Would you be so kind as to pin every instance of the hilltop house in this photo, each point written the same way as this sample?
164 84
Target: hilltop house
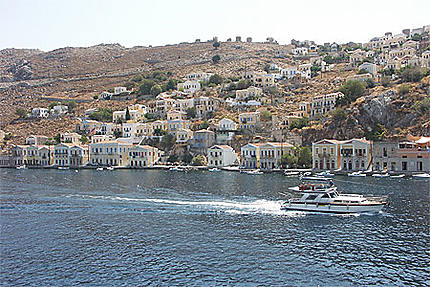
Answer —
189 86
40 113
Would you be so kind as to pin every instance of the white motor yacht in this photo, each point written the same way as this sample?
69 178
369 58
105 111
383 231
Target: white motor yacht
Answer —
328 200
214 169
21 167
99 169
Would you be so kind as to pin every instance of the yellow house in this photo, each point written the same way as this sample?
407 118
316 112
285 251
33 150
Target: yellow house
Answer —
249 120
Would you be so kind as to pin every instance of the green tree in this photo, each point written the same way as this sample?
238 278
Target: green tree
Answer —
423 107
159 132
155 90
216 59
170 85
362 71
21 113
289 160
137 78
305 157
339 115
352 90
191 113
414 74
404 89
71 105
204 125
299 123
216 45
187 157
216 79
102 115
199 160
370 83
95 97
243 84
385 81
145 87
376 133
127 115
84 139
57 138
167 142
266 116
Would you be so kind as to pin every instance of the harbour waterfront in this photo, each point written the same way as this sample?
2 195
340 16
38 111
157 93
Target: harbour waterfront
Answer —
155 227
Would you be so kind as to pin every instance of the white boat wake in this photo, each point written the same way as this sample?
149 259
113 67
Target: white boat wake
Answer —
233 207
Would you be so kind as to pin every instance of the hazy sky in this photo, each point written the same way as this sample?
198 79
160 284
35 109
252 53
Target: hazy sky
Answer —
51 24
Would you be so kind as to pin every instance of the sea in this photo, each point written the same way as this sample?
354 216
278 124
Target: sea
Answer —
201 228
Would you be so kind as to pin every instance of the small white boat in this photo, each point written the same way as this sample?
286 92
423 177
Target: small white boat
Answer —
21 167
110 168
357 174
381 175
177 168
397 176
63 167
214 169
325 174
317 178
76 170
421 175
328 200
291 173
99 169
254 172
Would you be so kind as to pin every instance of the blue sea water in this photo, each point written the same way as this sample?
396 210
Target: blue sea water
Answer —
165 228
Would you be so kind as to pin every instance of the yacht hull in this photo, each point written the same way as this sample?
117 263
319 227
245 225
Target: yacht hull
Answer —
333 208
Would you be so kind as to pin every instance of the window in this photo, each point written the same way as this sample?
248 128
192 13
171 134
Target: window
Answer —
404 165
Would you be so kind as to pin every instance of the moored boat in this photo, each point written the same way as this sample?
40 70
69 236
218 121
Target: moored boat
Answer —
214 169
397 176
291 173
254 172
421 175
381 175
99 168
357 174
21 167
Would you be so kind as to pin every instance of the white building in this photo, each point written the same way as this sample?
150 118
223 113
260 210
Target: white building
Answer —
40 113
221 155
141 156
59 110
189 86
300 51
289 72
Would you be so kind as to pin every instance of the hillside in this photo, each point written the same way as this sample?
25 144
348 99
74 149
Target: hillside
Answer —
32 78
